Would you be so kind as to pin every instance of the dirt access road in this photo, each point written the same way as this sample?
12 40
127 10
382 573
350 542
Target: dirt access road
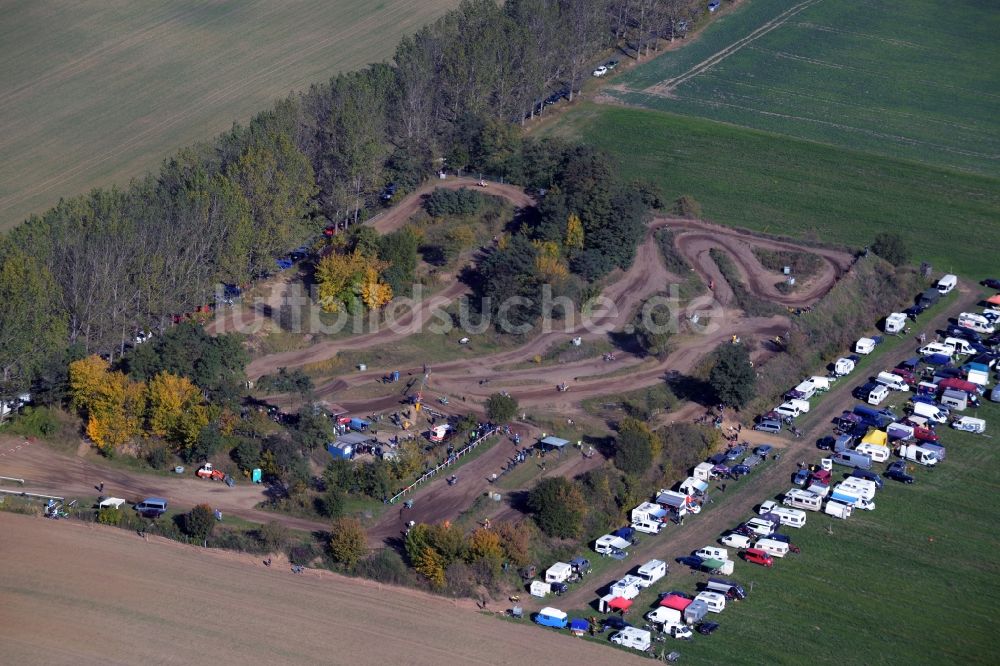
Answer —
85 594
49 472
740 498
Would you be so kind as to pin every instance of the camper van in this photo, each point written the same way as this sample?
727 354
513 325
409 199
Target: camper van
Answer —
790 517
772 547
946 284
852 459
633 637
650 572
877 452
803 499
715 601
961 346
976 322
838 510
552 617
893 381
864 346
895 322
932 348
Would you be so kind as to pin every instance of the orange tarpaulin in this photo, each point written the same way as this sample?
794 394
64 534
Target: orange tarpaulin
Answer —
994 300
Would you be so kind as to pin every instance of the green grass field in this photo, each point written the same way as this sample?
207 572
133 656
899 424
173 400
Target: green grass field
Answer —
779 185
95 93
914 581
902 78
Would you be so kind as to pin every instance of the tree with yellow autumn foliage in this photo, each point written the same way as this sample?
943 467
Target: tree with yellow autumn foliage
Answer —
350 281
430 565
113 405
549 262
176 409
574 232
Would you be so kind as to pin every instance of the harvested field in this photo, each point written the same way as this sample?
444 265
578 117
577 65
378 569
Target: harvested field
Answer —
83 594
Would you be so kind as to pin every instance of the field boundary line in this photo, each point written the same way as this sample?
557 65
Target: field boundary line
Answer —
664 88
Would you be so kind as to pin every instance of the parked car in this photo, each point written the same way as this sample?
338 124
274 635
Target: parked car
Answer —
611 64
739 470
601 71
707 628
992 283
825 443
736 452
758 556
614 622
897 471
763 450
868 475
714 5
801 477
692 561
389 192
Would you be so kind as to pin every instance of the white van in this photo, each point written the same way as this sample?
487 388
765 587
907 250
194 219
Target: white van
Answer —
838 510
961 346
772 547
969 424
936 348
947 283
712 553
715 602
737 541
864 346
878 394
930 412
788 409
790 517
976 322
895 382
877 452
820 383
803 499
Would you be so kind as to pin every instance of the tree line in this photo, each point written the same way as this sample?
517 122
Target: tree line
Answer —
97 268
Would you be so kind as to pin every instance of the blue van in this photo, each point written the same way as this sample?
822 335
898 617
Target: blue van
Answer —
151 507
552 617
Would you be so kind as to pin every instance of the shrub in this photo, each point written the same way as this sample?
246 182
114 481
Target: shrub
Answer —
733 377
558 507
199 522
109 516
803 264
347 541
892 248
501 408
385 566
687 206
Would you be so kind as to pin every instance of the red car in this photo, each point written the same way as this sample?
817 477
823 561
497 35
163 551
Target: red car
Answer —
758 556
924 434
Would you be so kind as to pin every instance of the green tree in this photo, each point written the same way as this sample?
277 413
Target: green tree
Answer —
501 408
635 447
733 377
313 429
273 536
399 251
199 522
558 507
891 247
347 541
31 326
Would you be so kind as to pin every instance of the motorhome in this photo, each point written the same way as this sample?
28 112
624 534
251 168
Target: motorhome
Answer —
650 572
802 499
892 381
633 637
976 322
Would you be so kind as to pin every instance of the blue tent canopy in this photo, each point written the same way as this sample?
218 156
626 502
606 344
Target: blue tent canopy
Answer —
554 442
576 624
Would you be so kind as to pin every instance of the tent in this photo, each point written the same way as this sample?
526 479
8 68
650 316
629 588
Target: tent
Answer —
579 626
554 443
115 502
675 601
620 604
879 437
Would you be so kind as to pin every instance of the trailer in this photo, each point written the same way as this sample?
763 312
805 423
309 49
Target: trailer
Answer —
558 573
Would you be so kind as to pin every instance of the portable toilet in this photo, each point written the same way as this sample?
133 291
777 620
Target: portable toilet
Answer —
256 475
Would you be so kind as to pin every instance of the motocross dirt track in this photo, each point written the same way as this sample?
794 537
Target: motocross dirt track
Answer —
83 594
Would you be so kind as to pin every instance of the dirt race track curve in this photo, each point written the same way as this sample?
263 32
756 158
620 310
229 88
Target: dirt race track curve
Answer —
82 594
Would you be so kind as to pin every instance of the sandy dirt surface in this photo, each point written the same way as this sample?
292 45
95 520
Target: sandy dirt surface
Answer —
83 594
